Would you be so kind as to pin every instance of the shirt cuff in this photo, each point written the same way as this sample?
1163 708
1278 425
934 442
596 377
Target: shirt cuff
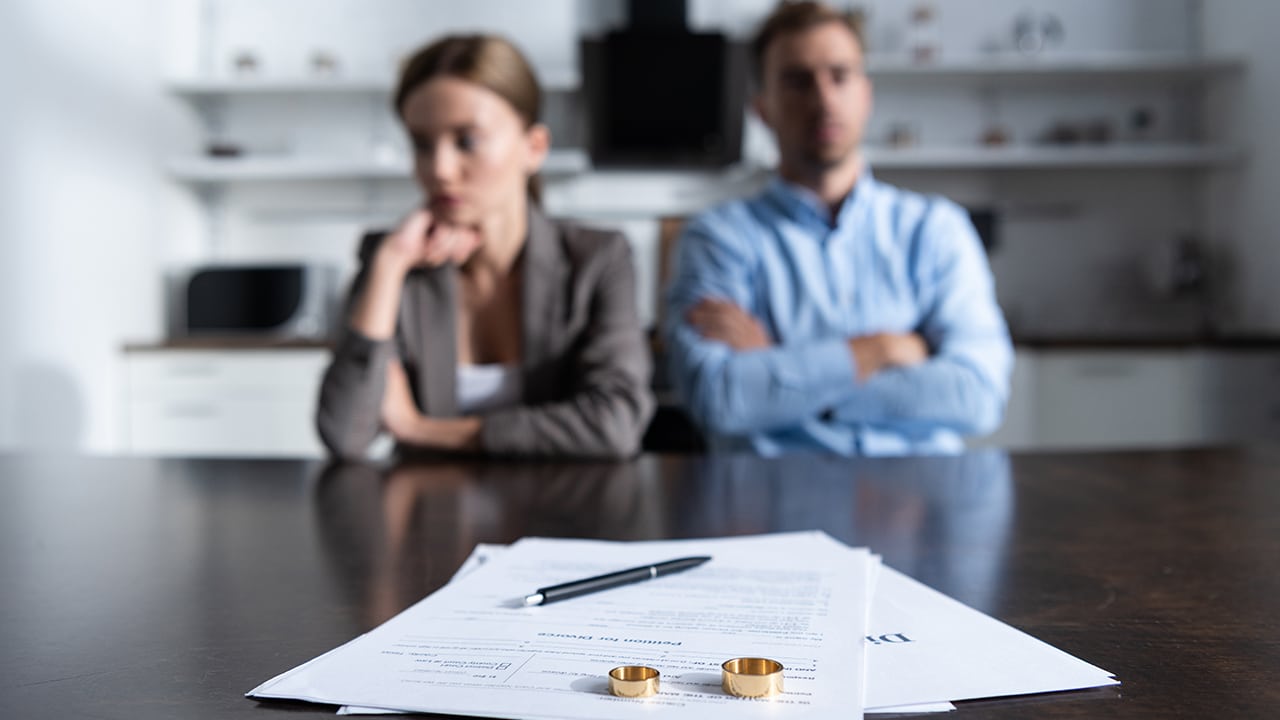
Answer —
363 351
833 366
830 363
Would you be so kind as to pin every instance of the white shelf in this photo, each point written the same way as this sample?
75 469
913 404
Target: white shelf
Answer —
1036 157
282 168
1088 67
882 68
265 86
292 168
569 162
194 88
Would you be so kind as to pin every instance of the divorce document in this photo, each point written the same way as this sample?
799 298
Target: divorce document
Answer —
472 648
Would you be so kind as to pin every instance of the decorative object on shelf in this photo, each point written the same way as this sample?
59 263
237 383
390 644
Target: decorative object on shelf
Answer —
246 63
902 135
1142 123
1190 267
222 149
324 64
1098 131
996 132
996 136
1062 133
1034 33
1178 269
924 33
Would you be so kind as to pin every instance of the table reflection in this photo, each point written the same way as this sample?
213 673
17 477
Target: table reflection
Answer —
393 535
943 520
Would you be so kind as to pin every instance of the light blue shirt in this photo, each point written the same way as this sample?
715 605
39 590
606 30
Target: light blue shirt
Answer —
890 261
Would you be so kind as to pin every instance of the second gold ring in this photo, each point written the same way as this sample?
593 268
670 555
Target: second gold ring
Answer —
752 677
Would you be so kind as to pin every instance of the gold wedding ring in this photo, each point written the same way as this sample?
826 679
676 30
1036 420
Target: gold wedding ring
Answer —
633 681
752 677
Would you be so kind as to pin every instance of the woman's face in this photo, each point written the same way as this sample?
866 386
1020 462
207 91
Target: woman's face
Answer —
472 152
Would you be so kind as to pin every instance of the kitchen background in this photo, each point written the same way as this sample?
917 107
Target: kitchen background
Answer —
1121 152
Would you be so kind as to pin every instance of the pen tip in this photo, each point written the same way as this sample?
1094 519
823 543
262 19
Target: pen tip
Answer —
534 599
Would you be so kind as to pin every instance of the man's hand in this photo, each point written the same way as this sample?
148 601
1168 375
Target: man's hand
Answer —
725 322
873 353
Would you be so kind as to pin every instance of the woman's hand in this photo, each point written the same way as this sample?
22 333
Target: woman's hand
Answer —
419 241
407 424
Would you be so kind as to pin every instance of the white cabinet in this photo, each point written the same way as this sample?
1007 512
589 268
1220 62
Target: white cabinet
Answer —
1121 398
1130 398
244 403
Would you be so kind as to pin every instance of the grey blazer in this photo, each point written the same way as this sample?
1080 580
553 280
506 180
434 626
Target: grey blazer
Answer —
585 363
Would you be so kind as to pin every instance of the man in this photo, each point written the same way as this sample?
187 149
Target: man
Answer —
832 312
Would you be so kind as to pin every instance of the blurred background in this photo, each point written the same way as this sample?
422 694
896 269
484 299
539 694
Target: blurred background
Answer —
184 183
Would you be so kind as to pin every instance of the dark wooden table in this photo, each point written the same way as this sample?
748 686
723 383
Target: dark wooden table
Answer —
134 588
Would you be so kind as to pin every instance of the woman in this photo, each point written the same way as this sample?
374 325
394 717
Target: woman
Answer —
479 324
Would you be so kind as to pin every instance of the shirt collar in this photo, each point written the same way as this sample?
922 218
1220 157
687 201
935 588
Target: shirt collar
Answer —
802 204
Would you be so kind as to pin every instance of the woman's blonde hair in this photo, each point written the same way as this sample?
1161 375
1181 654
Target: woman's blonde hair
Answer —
489 61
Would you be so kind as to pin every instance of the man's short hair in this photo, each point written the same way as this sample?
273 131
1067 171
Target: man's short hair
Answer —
793 17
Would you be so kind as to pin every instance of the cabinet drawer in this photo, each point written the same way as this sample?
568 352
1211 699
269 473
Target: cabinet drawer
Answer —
223 427
249 374
1120 399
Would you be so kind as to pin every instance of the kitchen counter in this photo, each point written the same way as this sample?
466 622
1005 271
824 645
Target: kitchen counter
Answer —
1171 342
237 342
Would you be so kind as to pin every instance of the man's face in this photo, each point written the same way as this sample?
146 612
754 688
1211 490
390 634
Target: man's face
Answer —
815 96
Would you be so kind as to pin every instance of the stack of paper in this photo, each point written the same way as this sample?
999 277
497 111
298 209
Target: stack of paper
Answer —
851 634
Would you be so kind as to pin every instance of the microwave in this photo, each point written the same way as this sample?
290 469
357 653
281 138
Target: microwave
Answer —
296 301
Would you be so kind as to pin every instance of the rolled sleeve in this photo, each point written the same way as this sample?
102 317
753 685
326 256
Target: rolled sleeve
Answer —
964 386
735 393
348 413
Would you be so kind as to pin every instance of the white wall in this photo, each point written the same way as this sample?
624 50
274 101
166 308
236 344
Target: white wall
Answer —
81 232
9 51
1243 208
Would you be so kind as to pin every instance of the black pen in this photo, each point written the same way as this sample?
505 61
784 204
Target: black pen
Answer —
567 590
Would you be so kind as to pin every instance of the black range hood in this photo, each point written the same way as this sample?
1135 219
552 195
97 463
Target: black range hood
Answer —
661 96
